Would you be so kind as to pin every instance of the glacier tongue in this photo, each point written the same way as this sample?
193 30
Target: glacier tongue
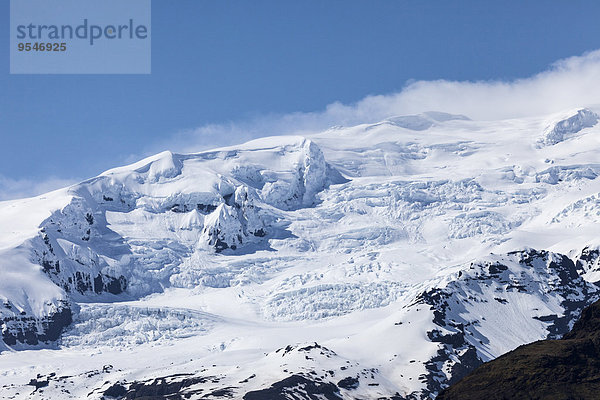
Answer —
127 232
404 249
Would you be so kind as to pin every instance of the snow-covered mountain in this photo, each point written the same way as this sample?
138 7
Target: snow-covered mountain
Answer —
545 369
376 261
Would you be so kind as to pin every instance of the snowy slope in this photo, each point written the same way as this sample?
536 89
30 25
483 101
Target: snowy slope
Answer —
376 261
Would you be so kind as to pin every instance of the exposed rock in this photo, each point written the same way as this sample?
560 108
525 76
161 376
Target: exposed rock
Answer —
349 383
550 369
296 387
180 386
29 330
525 272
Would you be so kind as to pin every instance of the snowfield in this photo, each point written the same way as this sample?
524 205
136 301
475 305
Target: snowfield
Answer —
375 261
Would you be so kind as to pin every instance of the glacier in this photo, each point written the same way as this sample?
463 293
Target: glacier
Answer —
381 260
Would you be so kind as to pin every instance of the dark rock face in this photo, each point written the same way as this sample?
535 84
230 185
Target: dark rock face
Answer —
296 387
349 383
162 388
588 325
302 387
26 329
491 281
588 260
38 383
76 275
180 386
115 391
549 369
106 283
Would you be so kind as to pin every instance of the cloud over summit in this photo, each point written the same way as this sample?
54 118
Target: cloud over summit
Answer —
568 83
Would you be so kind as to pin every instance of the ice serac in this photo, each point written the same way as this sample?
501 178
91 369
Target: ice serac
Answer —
127 232
568 126
310 175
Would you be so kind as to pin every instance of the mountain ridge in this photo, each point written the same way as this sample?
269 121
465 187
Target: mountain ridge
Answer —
413 250
553 369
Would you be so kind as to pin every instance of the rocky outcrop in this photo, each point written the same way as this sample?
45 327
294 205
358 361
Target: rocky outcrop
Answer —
520 277
296 386
549 369
26 329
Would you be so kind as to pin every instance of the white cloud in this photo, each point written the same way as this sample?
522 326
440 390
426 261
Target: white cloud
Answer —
569 83
21 188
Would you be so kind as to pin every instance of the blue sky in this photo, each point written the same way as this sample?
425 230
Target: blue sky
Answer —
218 63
